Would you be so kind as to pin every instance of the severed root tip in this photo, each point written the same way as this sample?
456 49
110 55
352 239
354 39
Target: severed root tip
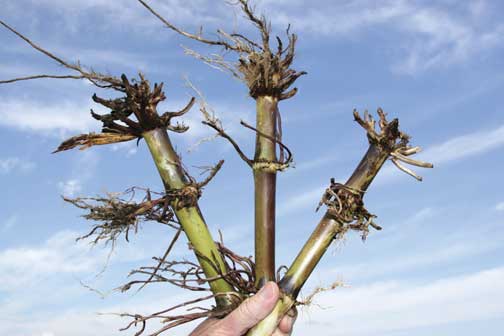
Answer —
85 141
390 139
402 155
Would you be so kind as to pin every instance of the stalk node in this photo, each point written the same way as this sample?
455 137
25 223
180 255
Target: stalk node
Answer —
345 204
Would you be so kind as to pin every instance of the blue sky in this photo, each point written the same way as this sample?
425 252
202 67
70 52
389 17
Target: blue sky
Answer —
436 268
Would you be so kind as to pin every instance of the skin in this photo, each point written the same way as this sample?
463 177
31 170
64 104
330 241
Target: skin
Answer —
247 315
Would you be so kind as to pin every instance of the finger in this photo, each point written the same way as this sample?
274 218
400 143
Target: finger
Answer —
204 327
287 322
279 333
252 310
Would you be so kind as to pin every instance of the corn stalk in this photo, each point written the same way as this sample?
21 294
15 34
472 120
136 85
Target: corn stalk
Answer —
266 72
345 211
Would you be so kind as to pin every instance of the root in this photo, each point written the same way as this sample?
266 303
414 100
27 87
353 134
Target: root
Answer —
119 216
264 68
392 140
307 301
189 275
347 206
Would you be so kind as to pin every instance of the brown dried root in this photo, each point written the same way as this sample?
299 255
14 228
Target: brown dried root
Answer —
85 141
391 140
189 275
347 206
171 321
97 79
139 100
189 195
344 201
119 216
308 300
264 69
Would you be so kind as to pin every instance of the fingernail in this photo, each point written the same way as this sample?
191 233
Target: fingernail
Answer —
267 291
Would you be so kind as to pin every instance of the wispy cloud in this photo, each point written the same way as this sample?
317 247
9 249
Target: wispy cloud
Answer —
70 187
429 36
120 15
56 119
312 164
46 275
500 206
396 305
444 39
98 320
11 164
456 148
84 170
401 265
465 146
300 201
22 266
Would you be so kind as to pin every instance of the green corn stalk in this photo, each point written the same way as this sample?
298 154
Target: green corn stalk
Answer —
190 218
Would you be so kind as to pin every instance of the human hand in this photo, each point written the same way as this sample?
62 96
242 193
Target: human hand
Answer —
247 315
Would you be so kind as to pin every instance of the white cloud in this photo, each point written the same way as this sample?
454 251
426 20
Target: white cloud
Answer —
444 255
84 169
98 320
383 307
55 119
457 148
130 148
430 35
312 164
40 283
23 266
121 14
16 164
462 147
342 18
70 187
301 201
500 206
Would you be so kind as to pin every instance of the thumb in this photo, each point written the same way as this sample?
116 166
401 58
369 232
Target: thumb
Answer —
252 310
